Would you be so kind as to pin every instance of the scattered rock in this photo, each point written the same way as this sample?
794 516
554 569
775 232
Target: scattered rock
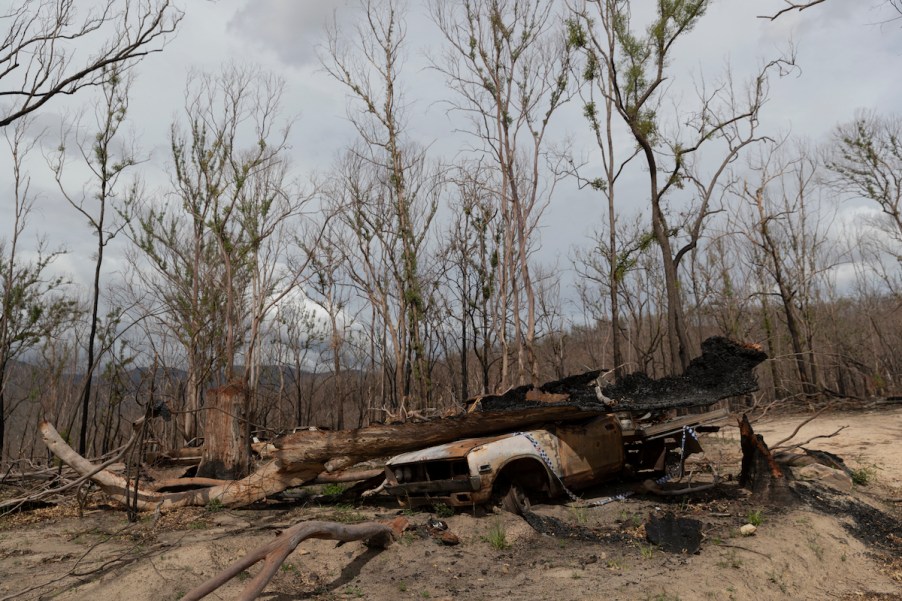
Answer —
449 538
835 479
748 530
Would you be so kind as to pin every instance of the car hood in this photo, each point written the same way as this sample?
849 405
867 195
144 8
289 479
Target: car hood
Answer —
451 450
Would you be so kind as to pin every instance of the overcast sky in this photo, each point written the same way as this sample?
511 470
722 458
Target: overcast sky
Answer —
848 60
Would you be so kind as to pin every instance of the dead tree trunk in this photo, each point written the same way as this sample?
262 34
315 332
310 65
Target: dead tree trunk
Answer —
339 449
226 449
760 472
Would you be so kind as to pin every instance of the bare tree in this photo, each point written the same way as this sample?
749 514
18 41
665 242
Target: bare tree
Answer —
32 304
208 247
866 159
597 96
107 158
787 222
389 192
638 68
471 251
42 53
508 60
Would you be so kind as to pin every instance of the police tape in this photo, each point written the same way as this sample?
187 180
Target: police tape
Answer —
687 430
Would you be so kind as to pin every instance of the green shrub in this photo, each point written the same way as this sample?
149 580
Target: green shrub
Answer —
497 537
333 490
755 518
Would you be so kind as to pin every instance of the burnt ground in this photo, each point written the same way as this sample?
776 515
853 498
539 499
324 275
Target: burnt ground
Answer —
824 545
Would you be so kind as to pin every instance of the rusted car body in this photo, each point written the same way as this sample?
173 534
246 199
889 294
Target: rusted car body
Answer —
543 461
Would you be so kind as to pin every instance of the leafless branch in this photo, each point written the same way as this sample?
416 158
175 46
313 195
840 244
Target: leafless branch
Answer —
799 6
777 444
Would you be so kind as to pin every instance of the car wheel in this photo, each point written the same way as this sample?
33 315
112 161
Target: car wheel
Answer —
515 500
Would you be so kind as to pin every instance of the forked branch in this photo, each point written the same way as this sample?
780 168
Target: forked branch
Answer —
379 534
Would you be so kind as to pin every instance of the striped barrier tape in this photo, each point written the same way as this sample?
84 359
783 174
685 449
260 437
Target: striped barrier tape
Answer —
687 430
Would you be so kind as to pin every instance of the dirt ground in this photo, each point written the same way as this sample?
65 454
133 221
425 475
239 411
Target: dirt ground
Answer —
827 545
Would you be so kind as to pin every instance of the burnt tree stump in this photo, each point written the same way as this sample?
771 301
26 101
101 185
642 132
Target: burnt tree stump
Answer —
760 472
226 449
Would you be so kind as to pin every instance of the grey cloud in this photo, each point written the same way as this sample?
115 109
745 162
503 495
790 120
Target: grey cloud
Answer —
290 28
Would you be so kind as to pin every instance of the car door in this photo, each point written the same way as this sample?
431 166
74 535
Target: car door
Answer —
589 452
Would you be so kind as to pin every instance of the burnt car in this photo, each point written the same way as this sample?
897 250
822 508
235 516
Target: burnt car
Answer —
515 468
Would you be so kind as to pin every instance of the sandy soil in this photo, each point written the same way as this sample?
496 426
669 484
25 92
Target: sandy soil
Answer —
808 551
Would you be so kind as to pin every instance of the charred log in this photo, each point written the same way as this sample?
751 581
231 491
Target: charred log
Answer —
724 369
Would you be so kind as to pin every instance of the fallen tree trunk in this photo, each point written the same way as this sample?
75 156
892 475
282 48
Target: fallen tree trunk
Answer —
267 480
724 369
341 448
273 554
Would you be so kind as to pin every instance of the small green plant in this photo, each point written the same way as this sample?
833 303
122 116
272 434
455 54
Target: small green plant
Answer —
755 518
497 537
287 567
214 505
637 520
425 594
347 515
862 476
243 576
647 551
402 586
580 514
333 490
353 591
442 510
614 564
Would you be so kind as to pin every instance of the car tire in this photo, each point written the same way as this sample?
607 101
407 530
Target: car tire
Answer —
515 499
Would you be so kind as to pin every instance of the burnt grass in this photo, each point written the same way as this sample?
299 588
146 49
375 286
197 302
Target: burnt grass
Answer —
871 526
877 529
